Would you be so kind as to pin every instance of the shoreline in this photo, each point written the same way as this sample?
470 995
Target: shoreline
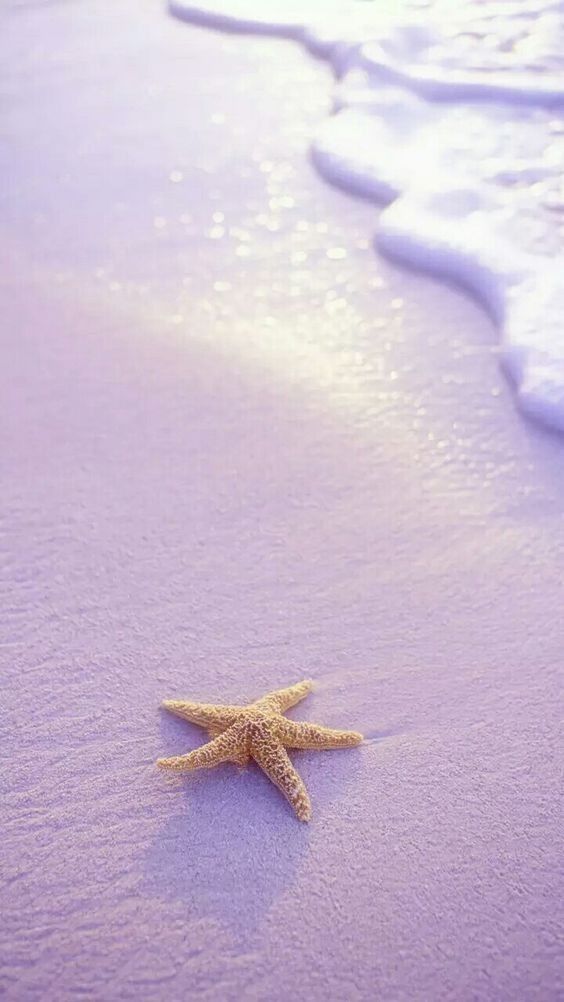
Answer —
228 469
398 136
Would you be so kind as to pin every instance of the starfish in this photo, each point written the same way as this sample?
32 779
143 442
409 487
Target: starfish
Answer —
261 732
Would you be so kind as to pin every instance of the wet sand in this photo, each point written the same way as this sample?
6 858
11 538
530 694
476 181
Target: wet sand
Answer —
231 460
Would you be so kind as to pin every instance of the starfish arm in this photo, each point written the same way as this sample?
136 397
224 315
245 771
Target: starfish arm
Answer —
283 699
225 748
273 760
205 714
241 757
295 734
214 732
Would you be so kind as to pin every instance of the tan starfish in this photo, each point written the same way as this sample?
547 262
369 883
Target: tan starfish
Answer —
258 731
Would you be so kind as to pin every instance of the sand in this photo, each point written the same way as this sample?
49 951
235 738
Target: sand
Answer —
224 470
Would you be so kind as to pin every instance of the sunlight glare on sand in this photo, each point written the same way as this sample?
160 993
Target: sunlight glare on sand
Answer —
447 113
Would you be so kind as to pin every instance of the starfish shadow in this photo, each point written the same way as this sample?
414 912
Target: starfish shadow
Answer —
235 846
232 850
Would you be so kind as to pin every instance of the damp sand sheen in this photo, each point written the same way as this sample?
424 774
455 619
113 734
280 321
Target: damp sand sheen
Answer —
451 116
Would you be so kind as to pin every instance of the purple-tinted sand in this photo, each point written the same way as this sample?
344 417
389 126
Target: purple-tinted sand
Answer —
238 449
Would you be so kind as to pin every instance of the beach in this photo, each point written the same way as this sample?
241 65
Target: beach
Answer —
240 449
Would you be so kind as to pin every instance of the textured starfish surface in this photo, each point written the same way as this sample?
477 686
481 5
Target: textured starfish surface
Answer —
261 732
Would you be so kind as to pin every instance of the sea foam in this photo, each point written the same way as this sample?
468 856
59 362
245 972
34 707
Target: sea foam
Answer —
451 115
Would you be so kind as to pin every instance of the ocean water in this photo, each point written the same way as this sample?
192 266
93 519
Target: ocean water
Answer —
450 114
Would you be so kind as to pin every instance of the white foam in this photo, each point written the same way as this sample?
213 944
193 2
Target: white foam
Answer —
454 118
